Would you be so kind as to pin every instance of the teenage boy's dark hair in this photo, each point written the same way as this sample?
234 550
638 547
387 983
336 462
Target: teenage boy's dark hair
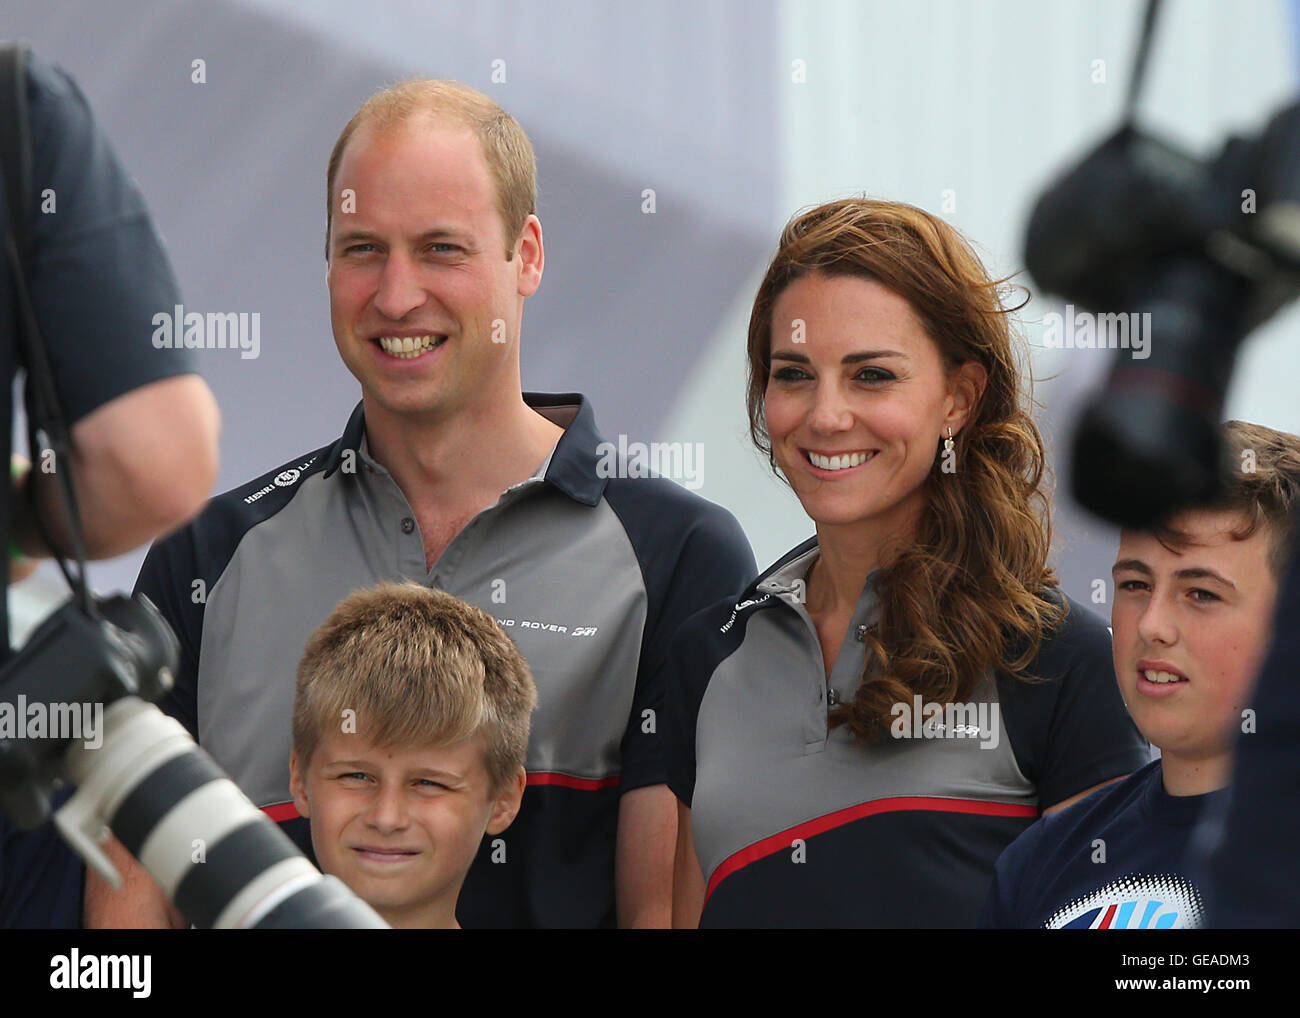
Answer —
1264 487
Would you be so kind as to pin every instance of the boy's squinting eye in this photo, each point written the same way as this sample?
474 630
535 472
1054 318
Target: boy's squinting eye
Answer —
1209 597
1132 585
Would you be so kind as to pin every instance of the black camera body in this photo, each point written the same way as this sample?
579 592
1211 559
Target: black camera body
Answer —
1209 250
72 664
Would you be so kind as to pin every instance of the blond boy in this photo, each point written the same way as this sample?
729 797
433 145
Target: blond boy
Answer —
410 725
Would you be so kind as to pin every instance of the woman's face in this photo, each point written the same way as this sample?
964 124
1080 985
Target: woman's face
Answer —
857 402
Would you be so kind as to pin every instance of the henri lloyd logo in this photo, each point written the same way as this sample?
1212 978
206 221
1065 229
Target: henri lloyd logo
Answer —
40 720
947 721
220 330
284 479
740 608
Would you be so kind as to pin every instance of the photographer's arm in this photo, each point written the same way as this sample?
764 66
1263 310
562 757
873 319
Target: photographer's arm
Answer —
143 464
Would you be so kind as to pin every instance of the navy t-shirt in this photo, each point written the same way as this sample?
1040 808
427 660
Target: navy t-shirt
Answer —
1116 860
97 274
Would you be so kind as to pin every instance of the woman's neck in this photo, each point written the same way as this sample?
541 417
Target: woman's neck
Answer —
847 557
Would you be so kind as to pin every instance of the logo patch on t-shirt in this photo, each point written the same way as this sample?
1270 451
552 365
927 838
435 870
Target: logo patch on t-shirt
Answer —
1164 901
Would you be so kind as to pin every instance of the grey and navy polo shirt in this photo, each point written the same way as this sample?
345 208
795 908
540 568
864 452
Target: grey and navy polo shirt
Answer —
590 575
797 824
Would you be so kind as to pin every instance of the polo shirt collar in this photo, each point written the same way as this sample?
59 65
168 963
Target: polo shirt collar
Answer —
350 440
570 469
787 581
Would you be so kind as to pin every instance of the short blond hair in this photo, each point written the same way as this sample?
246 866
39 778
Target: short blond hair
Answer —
506 147
419 668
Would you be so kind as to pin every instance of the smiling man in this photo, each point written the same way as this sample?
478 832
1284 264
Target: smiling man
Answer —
449 475
1192 616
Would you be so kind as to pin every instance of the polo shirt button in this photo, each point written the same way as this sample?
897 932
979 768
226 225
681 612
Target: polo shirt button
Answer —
408 525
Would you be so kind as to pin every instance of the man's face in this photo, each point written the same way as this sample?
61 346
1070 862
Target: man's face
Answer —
1201 616
424 305
400 827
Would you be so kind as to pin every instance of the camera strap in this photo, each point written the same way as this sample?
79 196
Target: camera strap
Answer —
44 414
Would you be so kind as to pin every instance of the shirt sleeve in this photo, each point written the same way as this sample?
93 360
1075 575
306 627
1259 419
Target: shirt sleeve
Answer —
1071 730
170 579
712 561
688 667
98 273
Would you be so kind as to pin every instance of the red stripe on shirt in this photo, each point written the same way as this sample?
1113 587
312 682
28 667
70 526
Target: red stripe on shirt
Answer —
281 811
1110 914
585 784
822 824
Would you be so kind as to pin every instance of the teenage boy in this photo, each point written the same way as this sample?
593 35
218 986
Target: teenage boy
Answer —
1192 618
410 729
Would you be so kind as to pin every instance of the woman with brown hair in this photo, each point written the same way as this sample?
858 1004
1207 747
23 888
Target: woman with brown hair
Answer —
856 738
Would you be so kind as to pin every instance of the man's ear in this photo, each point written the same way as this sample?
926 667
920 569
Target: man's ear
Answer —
531 255
968 384
506 805
297 786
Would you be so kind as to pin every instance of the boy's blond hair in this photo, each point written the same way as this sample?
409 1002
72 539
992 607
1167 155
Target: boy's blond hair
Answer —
417 667
1263 486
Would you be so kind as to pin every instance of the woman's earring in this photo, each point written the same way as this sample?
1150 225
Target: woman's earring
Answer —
947 442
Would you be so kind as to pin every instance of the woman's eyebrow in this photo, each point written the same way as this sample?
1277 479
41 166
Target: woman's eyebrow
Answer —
848 358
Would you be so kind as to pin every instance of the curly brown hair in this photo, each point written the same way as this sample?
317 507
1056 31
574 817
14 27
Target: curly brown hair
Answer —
974 592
